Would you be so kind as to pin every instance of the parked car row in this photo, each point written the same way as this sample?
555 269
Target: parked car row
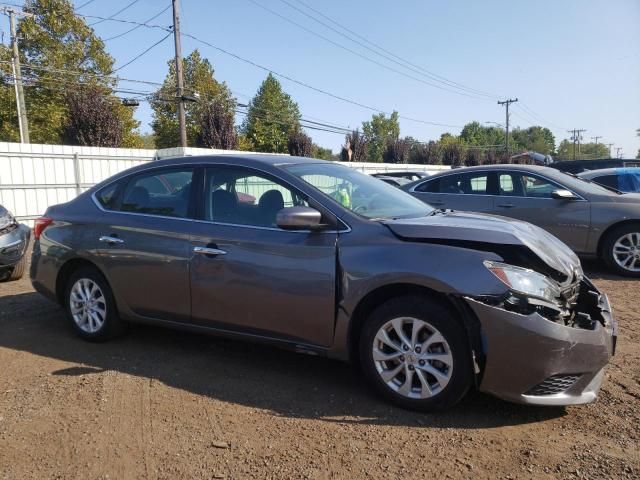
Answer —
594 220
328 261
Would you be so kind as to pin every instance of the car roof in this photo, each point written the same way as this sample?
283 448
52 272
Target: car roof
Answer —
263 158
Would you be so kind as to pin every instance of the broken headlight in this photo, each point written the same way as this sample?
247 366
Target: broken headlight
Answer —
525 281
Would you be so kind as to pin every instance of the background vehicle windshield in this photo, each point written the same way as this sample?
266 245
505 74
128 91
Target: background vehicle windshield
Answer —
360 193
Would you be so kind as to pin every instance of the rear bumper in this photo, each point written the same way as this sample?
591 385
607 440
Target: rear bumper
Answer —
532 360
13 245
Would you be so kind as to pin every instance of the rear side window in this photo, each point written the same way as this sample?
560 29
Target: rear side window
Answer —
161 192
607 180
432 186
108 195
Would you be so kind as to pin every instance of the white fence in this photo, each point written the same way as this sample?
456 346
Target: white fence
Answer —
34 176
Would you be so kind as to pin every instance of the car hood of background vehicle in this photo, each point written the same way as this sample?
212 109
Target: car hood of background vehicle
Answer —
489 229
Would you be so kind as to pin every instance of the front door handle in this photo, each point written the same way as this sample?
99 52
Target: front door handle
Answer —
436 202
506 205
208 251
110 240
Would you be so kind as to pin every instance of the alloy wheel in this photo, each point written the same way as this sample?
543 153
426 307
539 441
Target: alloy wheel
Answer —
412 357
626 251
88 305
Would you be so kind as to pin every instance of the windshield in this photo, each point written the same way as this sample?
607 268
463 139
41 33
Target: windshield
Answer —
585 185
360 193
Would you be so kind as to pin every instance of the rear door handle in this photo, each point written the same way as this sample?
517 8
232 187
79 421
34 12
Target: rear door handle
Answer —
506 205
208 251
110 240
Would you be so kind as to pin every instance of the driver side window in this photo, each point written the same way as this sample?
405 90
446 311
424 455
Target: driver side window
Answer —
239 196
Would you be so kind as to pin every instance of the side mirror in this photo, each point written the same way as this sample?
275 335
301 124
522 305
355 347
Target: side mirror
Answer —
562 194
298 218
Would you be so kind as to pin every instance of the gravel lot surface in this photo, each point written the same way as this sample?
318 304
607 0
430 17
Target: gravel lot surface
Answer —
162 404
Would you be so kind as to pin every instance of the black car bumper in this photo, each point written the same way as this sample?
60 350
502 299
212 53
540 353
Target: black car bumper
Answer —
13 245
533 360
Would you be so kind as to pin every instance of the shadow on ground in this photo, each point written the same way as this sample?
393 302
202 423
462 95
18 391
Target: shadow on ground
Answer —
288 384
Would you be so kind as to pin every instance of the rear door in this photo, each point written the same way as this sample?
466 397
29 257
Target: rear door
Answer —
527 197
143 242
250 276
471 191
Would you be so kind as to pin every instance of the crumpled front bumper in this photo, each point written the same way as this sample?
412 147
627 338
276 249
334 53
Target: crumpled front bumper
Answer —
532 360
13 245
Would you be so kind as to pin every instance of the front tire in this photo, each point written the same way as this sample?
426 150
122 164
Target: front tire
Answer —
414 353
90 306
18 269
621 250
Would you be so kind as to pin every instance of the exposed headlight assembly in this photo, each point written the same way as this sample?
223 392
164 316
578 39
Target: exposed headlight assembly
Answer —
524 281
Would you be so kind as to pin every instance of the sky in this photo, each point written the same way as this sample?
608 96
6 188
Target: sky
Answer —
571 63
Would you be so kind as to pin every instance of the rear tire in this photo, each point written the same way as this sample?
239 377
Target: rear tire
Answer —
414 353
90 306
621 250
18 269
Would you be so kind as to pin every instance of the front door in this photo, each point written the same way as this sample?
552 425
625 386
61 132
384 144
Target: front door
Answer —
527 197
250 276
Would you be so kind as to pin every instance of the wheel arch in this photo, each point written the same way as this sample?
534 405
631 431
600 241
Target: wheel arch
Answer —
376 297
67 270
610 229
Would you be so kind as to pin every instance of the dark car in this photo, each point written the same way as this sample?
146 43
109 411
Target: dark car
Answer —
407 175
14 240
329 261
593 220
626 180
395 181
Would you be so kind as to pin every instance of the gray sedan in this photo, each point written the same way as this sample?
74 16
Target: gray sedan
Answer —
319 258
589 218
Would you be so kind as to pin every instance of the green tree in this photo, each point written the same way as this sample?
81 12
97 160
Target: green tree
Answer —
588 151
322 153
59 53
201 85
379 131
272 117
475 134
535 138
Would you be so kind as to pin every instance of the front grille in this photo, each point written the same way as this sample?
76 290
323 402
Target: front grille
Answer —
553 385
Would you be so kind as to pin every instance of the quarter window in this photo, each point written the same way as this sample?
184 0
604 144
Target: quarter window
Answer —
108 195
164 192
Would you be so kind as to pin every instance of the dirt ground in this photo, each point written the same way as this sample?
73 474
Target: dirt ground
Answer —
161 404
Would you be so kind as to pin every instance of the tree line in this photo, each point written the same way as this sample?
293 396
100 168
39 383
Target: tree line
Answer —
72 98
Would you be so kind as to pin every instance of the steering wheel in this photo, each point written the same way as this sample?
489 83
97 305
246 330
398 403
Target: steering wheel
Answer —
360 208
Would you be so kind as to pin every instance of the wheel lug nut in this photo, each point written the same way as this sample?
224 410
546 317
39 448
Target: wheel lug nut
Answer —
405 348
402 358
411 367
421 362
418 349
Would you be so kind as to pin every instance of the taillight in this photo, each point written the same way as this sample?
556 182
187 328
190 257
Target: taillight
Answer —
40 225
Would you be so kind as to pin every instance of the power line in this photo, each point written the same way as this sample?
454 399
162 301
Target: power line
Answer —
137 26
386 53
430 74
130 4
311 87
144 52
358 54
84 4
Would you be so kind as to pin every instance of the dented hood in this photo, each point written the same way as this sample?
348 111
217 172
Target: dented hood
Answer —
489 229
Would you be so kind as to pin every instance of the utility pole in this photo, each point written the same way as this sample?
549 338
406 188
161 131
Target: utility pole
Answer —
618 152
575 136
506 103
179 74
23 124
595 139
610 145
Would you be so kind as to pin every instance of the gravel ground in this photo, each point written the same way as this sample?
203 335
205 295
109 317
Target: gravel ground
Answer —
162 404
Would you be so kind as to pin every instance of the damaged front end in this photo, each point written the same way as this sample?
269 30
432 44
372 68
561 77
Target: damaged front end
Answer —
546 352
